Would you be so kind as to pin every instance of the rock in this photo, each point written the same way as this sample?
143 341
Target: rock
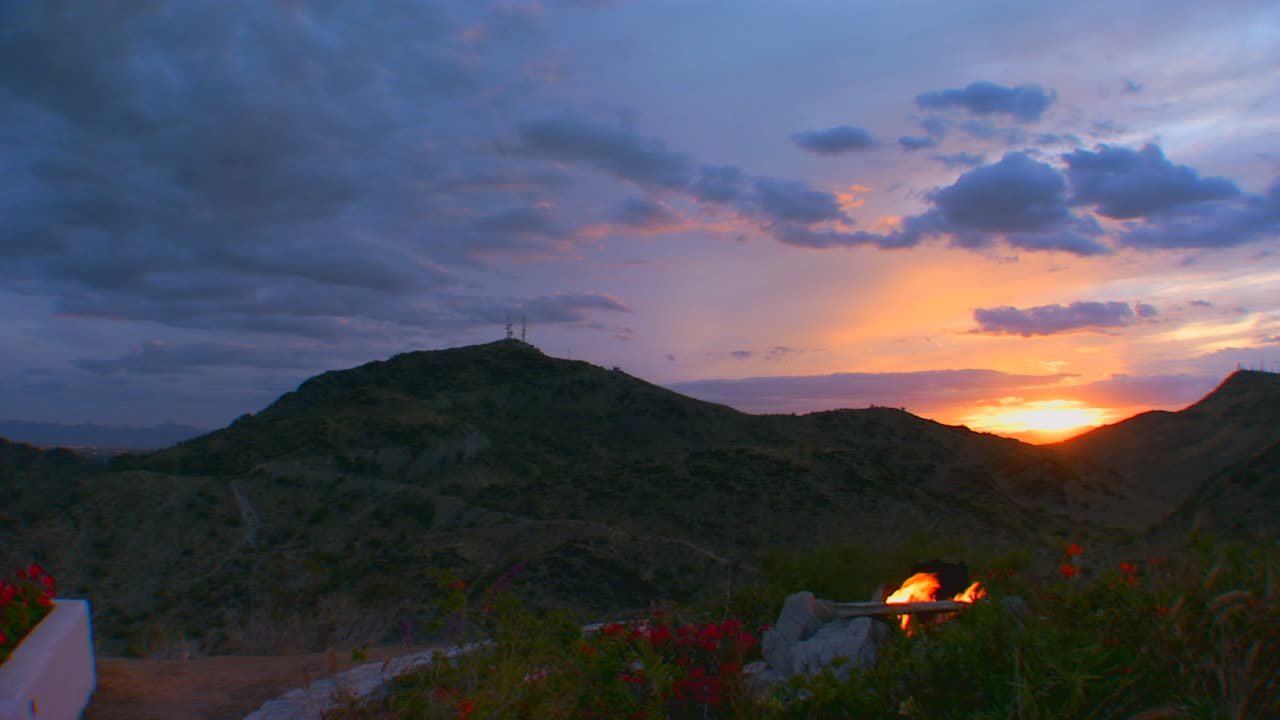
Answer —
1016 606
800 618
857 640
759 678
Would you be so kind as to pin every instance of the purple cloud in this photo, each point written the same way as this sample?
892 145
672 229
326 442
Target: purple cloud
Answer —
961 159
1016 194
1058 319
1024 103
792 201
1126 184
1223 223
911 143
617 150
645 214
835 141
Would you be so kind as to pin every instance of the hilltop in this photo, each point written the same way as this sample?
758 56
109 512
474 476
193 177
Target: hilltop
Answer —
326 517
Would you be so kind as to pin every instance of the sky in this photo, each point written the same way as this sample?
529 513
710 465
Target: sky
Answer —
1021 217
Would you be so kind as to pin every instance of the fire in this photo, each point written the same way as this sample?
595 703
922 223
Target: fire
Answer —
923 587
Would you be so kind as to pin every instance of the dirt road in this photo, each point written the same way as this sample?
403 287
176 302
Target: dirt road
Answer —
209 688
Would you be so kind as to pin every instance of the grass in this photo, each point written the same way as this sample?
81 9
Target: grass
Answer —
1150 638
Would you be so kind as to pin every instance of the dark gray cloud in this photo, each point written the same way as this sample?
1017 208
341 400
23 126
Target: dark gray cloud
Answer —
719 183
1024 103
1214 224
835 141
780 352
158 358
562 308
915 142
614 149
935 126
521 220
1124 183
791 201
1078 241
1016 194
1018 199
961 159
1057 319
740 354
1057 139
920 392
645 214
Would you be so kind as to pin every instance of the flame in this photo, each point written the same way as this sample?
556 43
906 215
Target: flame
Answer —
923 587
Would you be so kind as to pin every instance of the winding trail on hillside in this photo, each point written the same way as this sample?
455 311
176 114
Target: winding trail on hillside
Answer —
249 517
247 514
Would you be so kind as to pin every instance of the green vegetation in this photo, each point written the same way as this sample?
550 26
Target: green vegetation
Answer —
1149 638
314 523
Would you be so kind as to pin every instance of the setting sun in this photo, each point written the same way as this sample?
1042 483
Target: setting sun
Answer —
1038 421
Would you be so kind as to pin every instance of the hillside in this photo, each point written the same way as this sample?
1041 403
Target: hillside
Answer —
326 517
1161 457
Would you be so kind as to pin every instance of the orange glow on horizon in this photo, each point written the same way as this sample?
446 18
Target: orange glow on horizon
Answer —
1039 420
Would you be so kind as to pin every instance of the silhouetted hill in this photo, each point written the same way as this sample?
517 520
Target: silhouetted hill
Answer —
88 435
1239 502
1162 457
328 516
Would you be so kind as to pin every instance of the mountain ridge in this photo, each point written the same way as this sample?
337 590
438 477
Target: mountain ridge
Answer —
81 435
336 506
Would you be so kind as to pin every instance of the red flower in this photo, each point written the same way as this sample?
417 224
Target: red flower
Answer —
44 601
612 629
34 571
1130 580
1069 570
458 585
1073 550
746 640
1162 610
632 678
465 708
588 650
659 634
3 639
1128 568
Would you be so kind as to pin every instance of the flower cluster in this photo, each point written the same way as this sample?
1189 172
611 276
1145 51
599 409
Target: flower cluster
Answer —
705 661
24 601
1069 570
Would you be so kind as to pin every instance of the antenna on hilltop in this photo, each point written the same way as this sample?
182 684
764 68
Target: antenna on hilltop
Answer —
523 327
510 334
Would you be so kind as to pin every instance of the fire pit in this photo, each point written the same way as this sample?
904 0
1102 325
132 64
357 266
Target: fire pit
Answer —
811 632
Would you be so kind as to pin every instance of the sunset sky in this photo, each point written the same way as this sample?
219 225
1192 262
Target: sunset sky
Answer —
1012 215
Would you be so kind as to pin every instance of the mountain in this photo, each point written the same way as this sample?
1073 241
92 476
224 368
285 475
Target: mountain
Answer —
330 516
1161 458
87 435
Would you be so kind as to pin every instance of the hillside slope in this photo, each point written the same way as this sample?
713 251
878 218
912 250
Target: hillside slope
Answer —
1161 458
329 517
